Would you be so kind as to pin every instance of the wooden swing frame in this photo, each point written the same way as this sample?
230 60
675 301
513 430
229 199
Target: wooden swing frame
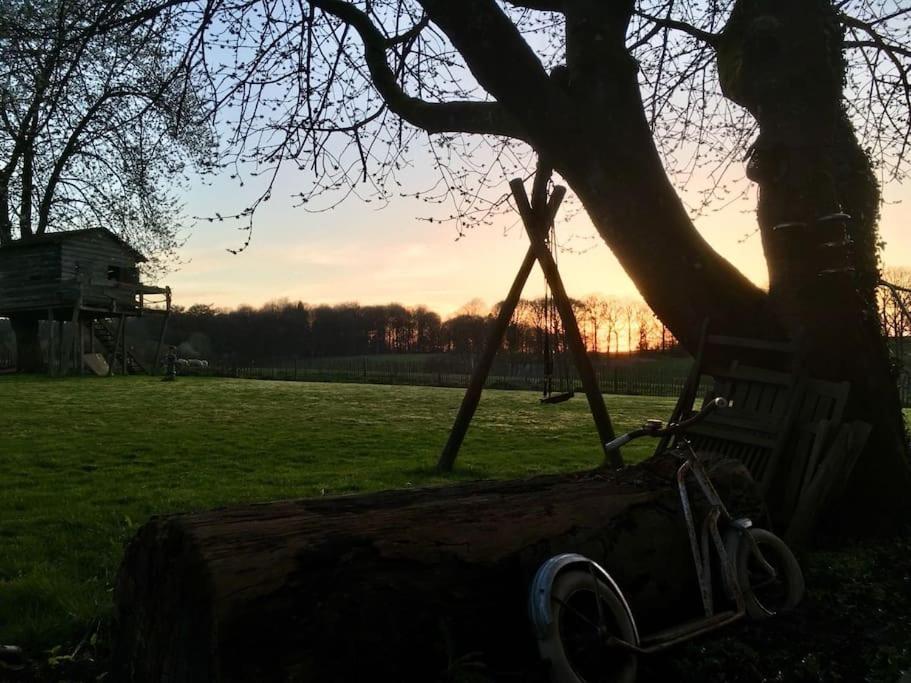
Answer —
537 216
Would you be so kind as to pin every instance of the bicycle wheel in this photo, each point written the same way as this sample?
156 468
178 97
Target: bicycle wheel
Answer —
576 645
765 595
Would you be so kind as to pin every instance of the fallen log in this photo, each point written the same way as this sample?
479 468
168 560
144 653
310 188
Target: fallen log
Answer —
399 585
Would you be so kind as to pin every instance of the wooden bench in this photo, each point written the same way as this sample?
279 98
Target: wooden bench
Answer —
755 429
764 402
776 417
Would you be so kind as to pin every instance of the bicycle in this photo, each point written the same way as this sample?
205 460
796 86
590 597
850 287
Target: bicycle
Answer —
584 624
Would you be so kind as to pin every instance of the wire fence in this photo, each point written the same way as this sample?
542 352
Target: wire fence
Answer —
637 379
615 380
656 378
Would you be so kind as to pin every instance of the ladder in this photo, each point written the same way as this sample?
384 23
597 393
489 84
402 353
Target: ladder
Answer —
108 339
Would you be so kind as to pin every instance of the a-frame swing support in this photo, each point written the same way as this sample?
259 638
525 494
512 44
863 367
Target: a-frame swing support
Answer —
537 217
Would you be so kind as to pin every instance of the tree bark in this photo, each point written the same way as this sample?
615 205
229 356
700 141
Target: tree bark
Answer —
610 160
400 585
809 164
29 357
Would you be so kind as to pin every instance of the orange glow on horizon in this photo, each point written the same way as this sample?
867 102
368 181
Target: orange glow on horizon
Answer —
356 253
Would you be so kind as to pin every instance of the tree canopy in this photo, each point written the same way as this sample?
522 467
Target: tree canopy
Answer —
99 122
348 90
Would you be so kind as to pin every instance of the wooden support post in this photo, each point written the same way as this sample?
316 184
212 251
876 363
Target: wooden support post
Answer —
61 349
113 357
164 329
690 387
573 336
123 344
50 342
492 344
81 348
76 346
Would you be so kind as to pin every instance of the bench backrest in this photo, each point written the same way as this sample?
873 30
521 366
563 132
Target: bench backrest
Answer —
753 430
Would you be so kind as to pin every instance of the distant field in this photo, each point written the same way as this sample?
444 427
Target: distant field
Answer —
635 375
86 461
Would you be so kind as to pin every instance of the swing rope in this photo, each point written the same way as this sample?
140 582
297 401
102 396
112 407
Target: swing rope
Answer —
554 338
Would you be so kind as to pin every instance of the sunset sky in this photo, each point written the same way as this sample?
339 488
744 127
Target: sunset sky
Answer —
359 253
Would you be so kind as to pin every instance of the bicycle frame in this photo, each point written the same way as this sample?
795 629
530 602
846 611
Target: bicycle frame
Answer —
701 546
700 550
701 543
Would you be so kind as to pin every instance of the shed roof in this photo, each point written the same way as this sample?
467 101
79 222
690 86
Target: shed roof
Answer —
69 235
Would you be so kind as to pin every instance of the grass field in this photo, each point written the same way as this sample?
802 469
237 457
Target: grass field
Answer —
85 461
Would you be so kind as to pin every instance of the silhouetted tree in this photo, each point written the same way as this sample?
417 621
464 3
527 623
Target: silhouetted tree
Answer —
613 96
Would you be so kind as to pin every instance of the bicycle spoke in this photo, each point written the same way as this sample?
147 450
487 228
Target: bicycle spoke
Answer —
762 584
591 571
577 613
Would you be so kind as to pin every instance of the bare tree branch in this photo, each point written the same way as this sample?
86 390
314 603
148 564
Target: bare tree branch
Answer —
434 117
501 60
705 36
879 45
540 5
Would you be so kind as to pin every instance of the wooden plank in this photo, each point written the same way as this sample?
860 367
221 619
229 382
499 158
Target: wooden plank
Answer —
765 440
807 437
752 373
755 344
81 349
825 427
61 349
123 345
792 401
50 342
751 422
819 490
831 400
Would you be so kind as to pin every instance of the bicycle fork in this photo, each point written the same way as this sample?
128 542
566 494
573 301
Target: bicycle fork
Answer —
709 534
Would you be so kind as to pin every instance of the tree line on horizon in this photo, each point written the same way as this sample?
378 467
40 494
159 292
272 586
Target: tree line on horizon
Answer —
285 329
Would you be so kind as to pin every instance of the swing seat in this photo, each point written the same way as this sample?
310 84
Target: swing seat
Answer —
558 398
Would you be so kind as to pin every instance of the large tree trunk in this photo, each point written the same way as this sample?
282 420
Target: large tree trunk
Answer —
29 357
782 61
779 58
401 585
789 73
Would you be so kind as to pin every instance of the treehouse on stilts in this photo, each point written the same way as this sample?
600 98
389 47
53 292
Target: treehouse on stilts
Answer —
86 285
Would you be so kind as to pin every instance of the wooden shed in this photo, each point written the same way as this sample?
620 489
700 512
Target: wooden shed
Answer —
88 283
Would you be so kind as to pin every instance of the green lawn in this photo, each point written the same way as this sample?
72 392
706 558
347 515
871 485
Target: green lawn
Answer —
85 461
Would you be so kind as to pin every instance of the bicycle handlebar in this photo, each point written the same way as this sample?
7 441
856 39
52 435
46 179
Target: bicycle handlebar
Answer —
672 428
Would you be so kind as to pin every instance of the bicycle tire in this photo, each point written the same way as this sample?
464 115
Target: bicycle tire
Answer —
573 594
788 588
